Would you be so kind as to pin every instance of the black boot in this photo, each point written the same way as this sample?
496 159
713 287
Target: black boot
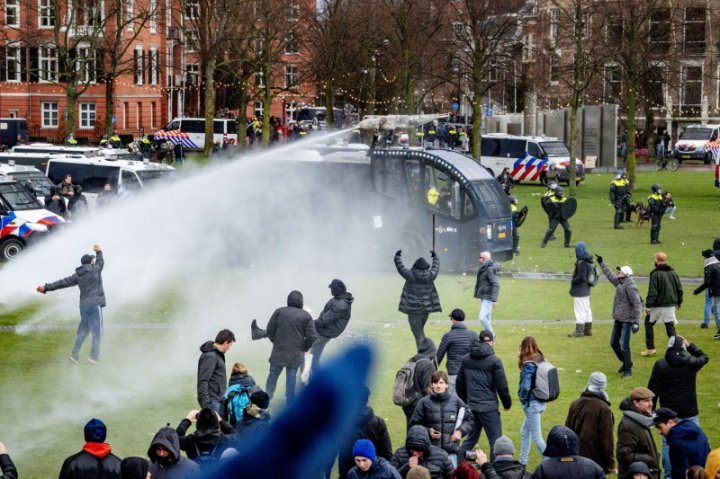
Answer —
618 219
587 330
256 332
579 331
568 235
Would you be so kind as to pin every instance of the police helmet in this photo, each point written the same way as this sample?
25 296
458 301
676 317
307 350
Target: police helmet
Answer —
618 175
656 188
559 191
513 199
552 185
624 174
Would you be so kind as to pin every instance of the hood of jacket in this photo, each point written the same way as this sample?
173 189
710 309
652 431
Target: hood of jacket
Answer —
628 409
418 438
365 414
347 297
581 251
84 269
480 349
676 356
207 346
684 430
716 243
636 467
709 261
295 299
597 395
562 441
168 438
426 349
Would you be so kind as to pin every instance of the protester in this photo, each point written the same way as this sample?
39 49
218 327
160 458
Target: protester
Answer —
333 319
167 462
134 468
711 270
564 460
368 465
665 295
531 429
419 452
487 288
635 442
255 417
6 465
687 443
425 366
456 343
88 278
210 439
503 466
637 470
106 196
581 283
419 297
211 375
96 458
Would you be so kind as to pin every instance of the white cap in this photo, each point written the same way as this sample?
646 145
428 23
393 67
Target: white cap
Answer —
627 270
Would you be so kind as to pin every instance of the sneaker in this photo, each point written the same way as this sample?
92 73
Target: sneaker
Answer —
648 352
671 217
704 325
626 374
93 361
73 359
717 337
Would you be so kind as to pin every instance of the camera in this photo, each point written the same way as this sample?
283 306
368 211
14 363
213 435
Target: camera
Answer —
470 455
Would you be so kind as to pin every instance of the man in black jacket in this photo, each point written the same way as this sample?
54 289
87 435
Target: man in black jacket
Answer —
291 329
96 458
6 465
419 452
504 466
673 380
456 343
711 268
211 376
481 379
564 461
635 441
424 369
211 438
87 277
581 284
166 459
487 288
665 295
333 320
419 297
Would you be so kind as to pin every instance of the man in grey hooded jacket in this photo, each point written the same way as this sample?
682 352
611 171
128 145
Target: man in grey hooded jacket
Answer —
87 277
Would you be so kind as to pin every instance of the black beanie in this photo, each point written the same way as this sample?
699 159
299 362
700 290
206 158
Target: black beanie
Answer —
95 431
420 263
337 287
86 259
134 468
207 420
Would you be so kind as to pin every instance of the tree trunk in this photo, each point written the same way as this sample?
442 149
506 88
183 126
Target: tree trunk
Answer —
329 105
476 102
209 106
72 101
109 104
631 105
242 115
572 146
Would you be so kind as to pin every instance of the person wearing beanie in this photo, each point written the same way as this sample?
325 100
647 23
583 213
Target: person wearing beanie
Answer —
664 297
419 297
425 366
564 460
211 438
134 468
95 459
503 466
166 459
635 441
687 444
418 451
592 420
88 278
333 319
626 312
711 269
583 279
487 288
674 381
456 344
637 470
255 417
7 468
368 465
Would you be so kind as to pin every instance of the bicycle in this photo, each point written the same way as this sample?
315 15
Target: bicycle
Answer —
667 162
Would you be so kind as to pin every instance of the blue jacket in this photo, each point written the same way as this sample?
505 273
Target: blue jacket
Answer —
380 469
563 460
688 447
456 343
527 375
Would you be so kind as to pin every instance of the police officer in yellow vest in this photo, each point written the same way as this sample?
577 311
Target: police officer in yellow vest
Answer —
553 205
71 141
628 197
515 215
618 192
657 207
115 141
430 135
145 147
452 137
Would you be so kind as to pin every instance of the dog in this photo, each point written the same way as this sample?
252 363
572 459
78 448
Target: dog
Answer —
642 214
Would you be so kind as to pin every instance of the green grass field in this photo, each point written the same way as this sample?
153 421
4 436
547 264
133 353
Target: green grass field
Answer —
147 378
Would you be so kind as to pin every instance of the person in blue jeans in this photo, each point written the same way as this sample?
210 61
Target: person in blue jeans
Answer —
531 428
88 278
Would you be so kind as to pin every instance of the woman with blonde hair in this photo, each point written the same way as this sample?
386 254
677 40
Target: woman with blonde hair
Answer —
528 357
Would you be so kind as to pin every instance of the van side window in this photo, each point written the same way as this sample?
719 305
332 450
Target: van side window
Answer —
130 181
512 148
92 178
389 178
468 206
490 147
414 180
232 127
439 186
534 150
714 135
193 126
172 126
218 127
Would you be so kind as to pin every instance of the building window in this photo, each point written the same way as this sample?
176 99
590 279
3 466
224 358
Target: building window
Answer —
152 115
554 68
554 24
258 109
129 15
614 29
154 66
192 74
85 12
87 65
528 52
49 114
613 83
12 13
294 10
12 64
46 14
291 44
692 77
694 30
660 29
139 64
191 41
192 9
87 115
292 76
48 64
655 85
460 32
153 16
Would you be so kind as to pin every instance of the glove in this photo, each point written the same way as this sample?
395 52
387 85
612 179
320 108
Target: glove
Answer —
599 258
398 252
635 328
432 253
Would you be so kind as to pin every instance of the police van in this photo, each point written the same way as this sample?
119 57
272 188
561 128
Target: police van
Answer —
528 158
190 132
31 177
13 131
126 177
692 143
23 220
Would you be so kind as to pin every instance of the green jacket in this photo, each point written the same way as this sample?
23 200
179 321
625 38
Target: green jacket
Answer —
665 288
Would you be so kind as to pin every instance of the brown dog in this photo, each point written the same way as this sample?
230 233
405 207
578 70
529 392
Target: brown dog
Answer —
642 214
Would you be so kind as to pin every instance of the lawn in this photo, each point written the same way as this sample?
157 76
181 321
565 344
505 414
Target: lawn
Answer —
147 378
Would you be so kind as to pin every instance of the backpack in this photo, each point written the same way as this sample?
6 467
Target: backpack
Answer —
592 277
546 383
236 399
205 458
404 391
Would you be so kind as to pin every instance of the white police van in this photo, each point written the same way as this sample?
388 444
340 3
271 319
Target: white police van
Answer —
29 176
528 157
125 176
693 143
23 220
190 132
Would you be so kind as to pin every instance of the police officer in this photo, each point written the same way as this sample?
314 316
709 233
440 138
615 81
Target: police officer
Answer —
515 216
618 192
71 141
145 147
554 209
430 135
628 197
115 141
657 206
545 200
452 137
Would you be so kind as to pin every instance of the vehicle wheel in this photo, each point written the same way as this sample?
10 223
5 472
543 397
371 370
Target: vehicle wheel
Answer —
659 164
543 179
10 249
673 164
708 159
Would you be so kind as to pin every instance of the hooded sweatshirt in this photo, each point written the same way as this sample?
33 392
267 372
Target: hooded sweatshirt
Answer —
711 268
88 278
673 379
482 379
688 447
434 459
579 286
291 329
175 466
211 377
419 294
563 460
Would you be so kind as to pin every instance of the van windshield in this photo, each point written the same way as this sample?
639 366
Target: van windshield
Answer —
555 148
39 182
696 134
153 177
18 198
172 126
